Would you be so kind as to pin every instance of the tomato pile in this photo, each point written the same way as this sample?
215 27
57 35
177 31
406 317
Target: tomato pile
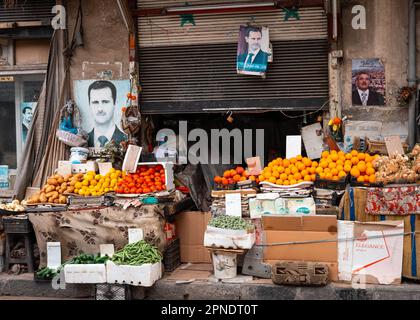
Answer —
233 176
146 179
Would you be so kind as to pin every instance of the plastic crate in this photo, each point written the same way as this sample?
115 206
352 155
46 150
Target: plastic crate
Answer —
172 256
331 185
17 225
112 292
221 187
355 183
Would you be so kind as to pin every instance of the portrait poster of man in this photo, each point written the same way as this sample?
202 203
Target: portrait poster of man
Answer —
368 82
100 103
27 113
254 51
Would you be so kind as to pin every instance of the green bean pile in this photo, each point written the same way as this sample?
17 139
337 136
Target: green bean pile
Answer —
230 222
137 254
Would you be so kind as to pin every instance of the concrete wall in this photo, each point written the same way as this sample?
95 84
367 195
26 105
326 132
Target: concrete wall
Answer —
32 51
105 53
386 37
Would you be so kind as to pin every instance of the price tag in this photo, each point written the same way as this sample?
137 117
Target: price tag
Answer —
53 255
135 235
293 146
233 204
106 249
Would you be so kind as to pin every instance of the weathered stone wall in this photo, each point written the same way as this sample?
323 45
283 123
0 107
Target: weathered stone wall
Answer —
386 38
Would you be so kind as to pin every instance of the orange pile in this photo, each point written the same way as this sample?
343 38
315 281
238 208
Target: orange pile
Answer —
337 165
286 172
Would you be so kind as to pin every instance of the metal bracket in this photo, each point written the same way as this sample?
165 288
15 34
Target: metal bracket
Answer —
254 266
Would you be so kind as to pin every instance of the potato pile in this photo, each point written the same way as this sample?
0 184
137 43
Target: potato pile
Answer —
398 168
56 189
15 206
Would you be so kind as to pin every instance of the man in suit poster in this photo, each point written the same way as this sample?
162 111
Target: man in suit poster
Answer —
368 83
100 103
253 50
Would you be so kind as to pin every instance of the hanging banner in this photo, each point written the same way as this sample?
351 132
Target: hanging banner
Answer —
254 50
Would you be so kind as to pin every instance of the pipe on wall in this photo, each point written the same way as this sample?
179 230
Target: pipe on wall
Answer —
412 77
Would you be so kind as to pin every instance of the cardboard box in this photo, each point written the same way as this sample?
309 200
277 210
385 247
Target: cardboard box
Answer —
373 254
190 228
305 238
84 167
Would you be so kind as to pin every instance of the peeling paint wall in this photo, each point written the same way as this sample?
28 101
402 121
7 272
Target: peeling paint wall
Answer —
105 53
386 38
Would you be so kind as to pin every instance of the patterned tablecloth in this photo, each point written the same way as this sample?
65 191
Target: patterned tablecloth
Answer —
398 200
84 230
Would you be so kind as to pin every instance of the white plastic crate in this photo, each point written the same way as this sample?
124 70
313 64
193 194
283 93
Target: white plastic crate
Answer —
85 273
143 276
228 239
169 172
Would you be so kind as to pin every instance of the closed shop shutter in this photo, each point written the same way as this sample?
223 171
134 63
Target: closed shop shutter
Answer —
26 10
193 68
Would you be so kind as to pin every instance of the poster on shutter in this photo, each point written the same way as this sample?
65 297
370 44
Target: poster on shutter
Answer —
254 51
368 82
100 103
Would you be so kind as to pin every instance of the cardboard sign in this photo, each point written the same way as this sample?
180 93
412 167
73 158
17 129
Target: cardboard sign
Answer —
64 168
106 249
394 145
132 158
135 235
293 146
312 139
104 167
53 255
233 204
254 166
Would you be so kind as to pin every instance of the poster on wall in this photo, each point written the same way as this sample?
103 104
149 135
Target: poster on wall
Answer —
254 51
100 103
368 82
27 111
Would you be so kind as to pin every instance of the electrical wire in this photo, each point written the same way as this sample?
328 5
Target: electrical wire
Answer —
307 114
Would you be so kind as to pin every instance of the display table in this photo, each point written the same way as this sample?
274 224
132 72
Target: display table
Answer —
84 230
381 204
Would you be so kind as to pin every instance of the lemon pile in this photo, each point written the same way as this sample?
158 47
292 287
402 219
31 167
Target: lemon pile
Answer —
97 185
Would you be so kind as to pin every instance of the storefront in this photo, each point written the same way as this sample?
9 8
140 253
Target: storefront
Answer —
190 66
25 38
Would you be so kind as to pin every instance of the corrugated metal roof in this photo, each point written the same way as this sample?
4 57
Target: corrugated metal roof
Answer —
26 10
224 28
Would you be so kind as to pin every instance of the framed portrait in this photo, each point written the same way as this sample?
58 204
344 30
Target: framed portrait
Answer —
100 103
254 50
368 82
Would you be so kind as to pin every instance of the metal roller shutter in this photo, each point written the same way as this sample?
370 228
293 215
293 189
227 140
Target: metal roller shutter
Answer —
27 10
193 69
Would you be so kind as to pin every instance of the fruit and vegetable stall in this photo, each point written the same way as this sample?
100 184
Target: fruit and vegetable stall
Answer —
292 217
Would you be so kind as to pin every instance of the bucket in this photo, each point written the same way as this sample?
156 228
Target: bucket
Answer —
225 265
78 155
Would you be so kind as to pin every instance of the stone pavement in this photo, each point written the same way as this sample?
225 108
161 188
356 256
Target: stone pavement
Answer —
23 287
